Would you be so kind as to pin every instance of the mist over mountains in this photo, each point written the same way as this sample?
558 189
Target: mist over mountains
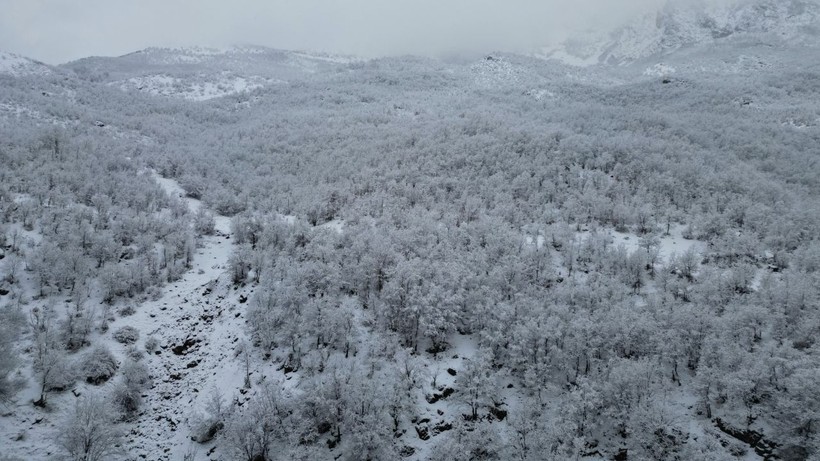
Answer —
698 23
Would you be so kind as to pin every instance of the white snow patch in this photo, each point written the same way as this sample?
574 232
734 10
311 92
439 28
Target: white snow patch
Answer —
202 89
336 225
659 70
674 243
287 218
538 241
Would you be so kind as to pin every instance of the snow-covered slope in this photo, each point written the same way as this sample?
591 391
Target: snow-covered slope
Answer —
679 24
233 56
19 66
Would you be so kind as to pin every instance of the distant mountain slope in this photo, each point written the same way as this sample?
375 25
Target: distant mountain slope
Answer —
203 73
678 25
19 66
256 58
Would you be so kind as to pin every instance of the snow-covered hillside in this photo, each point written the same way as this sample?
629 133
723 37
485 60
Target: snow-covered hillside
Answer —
201 74
215 57
257 254
19 66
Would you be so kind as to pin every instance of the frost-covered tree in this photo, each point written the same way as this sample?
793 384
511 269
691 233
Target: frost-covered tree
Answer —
88 431
50 361
261 427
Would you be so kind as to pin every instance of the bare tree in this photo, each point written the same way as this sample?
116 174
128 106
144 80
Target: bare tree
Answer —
88 432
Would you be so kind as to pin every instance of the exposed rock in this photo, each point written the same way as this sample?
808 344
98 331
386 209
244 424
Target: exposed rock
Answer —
764 448
498 413
182 349
443 395
423 432
442 427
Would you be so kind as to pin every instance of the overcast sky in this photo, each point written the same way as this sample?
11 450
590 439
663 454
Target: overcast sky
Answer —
57 31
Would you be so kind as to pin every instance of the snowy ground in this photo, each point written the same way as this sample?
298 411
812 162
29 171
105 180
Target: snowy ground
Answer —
200 310
674 243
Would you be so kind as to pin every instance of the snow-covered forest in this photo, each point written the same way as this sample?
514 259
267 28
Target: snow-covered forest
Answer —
253 254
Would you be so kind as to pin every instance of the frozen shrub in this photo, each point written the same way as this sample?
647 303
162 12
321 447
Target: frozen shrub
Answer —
98 365
62 376
153 293
127 335
127 401
151 344
127 310
204 222
207 425
135 374
134 353
127 395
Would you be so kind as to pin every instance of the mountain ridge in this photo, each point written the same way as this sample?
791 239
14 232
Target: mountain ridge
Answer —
678 25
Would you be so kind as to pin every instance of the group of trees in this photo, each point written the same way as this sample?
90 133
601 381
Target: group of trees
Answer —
386 213
83 225
437 211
